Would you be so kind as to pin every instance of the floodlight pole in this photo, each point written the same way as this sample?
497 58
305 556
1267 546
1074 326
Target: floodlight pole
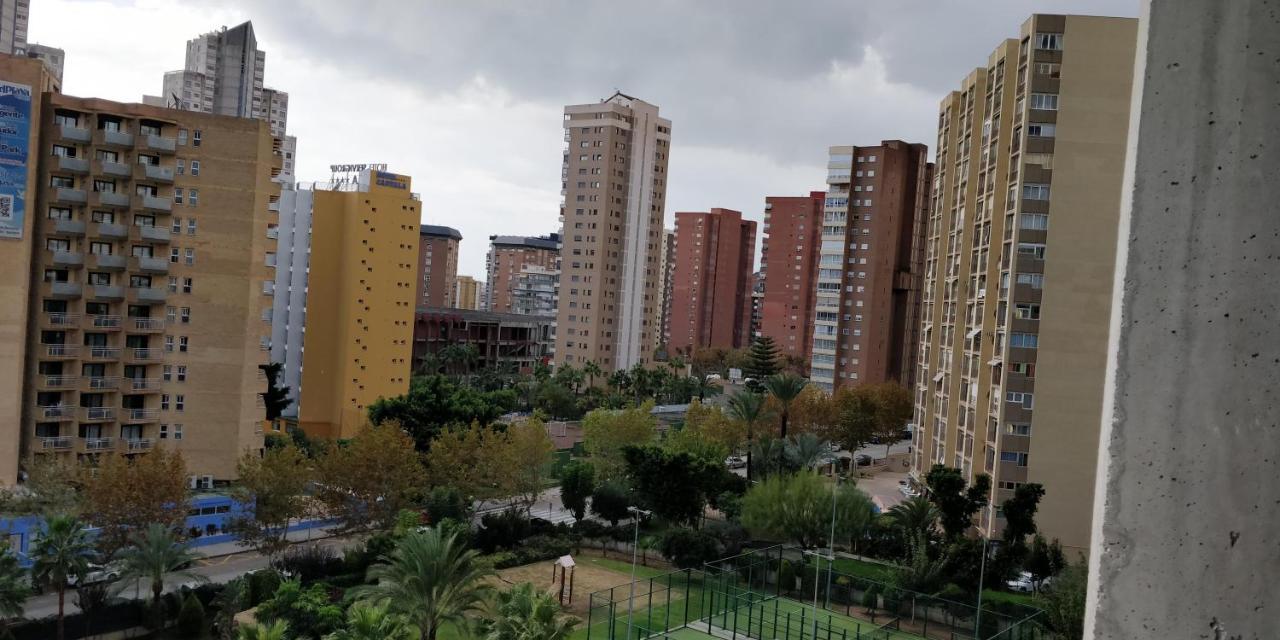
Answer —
982 574
635 546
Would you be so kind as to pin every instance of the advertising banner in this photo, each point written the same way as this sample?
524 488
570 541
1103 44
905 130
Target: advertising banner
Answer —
15 132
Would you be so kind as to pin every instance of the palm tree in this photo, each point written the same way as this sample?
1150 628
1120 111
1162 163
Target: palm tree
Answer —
807 451
749 409
151 556
785 387
591 370
914 516
374 622
14 589
431 578
61 554
274 631
524 613
703 387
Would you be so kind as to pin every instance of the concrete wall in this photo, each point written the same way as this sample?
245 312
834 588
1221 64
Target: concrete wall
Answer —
1184 540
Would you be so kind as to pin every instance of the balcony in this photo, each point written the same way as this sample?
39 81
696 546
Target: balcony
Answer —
102 383
104 353
99 444
153 234
108 138
273 233
102 262
56 412
133 445
61 350
54 383
55 444
98 414
144 354
114 169
111 199
106 293
66 227
150 265
111 231
155 173
62 320
74 134
66 259
105 322
146 325
160 143
63 195
148 295
274 206
140 415
153 203
143 384
73 165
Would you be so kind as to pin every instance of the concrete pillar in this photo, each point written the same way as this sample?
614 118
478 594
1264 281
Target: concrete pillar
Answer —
1186 540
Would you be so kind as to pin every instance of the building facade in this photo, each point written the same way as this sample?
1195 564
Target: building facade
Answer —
712 281
866 307
505 341
1017 296
789 268
668 263
54 59
523 274
359 323
14 15
437 277
614 182
147 250
467 293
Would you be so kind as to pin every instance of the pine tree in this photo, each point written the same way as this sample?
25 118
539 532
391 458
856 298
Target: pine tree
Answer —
762 362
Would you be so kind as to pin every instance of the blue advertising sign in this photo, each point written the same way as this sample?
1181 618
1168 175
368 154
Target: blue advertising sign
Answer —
15 132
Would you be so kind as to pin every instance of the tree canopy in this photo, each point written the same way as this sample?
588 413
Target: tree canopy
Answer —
607 432
797 508
368 482
956 501
435 402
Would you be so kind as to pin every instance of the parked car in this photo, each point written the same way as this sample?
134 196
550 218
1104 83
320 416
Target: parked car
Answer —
97 573
908 491
735 462
1024 583
863 460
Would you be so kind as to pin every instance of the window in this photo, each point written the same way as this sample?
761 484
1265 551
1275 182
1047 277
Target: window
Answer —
191 226
1019 429
192 195
177 195
1020 397
1044 101
171 312
1024 340
61 151
1041 129
1033 249
102 217
1027 311
1049 41
100 248
180 166
182 373
1035 221
182 136
1034 191
168 343
57 244
183 344
179 402
62 182
164 431
1036 280
195 168
1027 369
186 285
195 138
174 254
98 278
177 225
166 373
164 402
186 315
177 431
189 256
1014 456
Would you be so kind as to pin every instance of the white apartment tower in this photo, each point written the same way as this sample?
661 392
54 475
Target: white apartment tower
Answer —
13 25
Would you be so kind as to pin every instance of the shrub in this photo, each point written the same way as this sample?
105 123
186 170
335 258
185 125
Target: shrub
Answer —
786 576
502 530
730 535
447 502
871 598
261 585
309 563
538 548
503 560
191 620
688 548
309 612
730 504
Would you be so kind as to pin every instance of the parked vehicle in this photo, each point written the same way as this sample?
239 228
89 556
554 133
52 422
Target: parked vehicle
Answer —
97 573
908 491
735 462
863 460
1024 583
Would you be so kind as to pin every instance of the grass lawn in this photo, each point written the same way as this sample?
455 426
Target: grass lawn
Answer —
992 597
863 569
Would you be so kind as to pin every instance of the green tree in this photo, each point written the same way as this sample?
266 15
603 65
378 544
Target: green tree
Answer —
307 611
751 410
592 370
956 501
191 621
556 400
914 516
611 502
273 631
855 418
704 386
526 613
431 578
1045 559
921 573
153 555
784 388
374 622
1019 513
276 398
1063 602
607 432
435 402
675 486
124 496
530 455
797 508
577 482
447 502
14 589
762 362
893 408
366 483
689 548
61 553
274 485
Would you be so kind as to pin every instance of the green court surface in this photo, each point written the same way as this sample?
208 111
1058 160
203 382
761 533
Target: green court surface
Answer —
786 619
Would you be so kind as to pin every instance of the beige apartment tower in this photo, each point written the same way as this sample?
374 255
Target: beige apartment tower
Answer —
614 182
146 248
1018 270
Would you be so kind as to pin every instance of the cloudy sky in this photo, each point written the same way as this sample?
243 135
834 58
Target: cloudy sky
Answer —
467 97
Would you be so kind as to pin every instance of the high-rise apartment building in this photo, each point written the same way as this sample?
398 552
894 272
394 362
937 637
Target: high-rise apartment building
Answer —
143 239
467 293
866 308
614 182
54 59
789 268
712 281
358 295
1020 255
523 274
437 266
14 15
668 263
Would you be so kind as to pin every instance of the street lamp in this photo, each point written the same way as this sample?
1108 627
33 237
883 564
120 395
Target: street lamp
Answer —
635 546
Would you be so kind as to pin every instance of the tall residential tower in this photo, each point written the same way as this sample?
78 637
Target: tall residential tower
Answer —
614 181
523 274
789 268
712 280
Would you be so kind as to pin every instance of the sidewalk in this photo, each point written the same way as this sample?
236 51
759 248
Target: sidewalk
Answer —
220 549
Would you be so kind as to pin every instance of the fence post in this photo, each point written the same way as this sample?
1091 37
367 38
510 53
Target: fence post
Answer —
649 615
